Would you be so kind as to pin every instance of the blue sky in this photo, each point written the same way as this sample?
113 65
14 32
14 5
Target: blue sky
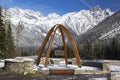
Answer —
60 6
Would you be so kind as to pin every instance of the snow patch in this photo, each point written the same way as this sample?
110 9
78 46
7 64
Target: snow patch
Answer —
24 58
112 33
2 64
98 79
63 66
14 60
114 68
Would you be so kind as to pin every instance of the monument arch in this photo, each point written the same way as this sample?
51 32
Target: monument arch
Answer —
51 35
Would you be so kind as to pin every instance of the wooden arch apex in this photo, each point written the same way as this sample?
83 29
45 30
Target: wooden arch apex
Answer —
51 35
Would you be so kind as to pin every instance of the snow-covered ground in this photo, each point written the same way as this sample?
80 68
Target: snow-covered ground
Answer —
1 63
98 79
63 66
114 68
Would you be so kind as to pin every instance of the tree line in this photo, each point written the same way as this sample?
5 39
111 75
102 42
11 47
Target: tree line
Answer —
90 50
109 50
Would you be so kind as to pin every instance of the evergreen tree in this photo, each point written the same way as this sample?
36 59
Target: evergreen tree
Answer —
9 39
114 48
107 52
88 51
6 41
102 51
70 53
81 52
98 51
2 36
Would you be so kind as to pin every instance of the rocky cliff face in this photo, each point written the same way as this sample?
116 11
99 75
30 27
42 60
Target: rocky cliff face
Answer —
105 30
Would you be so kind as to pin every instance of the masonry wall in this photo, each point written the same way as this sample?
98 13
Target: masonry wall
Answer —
19 67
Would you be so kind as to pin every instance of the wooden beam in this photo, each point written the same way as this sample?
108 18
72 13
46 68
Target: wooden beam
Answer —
43 45
52 33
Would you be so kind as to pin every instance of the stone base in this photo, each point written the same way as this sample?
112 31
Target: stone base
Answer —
19 66
115 76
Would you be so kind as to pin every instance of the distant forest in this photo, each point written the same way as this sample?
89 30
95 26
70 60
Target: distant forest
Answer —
90 50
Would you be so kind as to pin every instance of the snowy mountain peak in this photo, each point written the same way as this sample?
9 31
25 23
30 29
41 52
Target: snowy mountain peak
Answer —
96 8
107 11
25 11
53 16
36 25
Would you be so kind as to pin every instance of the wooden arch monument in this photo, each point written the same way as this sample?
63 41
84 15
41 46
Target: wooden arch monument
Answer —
51 35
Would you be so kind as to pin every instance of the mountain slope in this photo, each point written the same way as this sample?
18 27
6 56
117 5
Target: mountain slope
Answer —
104 31
35 25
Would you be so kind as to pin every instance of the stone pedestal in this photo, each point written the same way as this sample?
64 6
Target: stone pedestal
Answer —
106 65
19 65
12 66
56 61
74 61
115 76
42 72
28 66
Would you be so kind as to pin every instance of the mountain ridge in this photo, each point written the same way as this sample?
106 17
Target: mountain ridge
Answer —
36 26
